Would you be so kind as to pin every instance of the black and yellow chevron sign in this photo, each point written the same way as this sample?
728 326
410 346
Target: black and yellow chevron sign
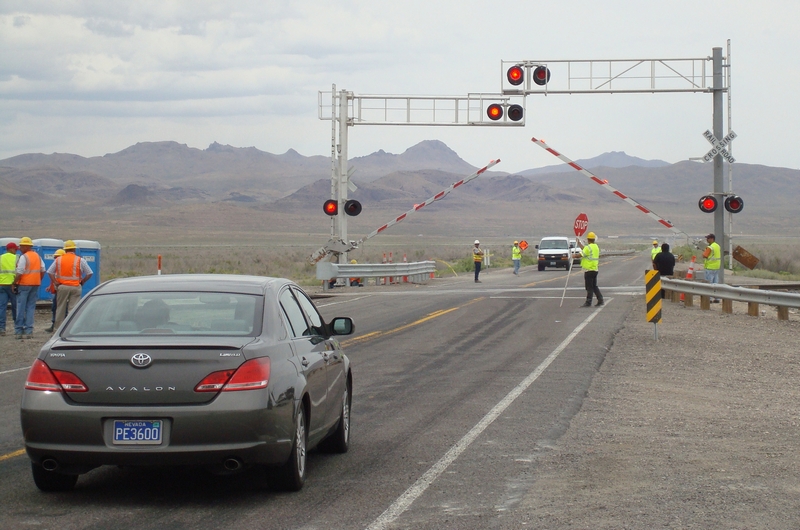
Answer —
652 283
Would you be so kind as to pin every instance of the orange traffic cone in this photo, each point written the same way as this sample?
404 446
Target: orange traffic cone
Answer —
689 274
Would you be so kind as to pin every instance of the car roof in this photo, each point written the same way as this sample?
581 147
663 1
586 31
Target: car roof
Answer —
193 282
554 237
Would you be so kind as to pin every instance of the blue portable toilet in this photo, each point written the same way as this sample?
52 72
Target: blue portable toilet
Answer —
46 248
90 251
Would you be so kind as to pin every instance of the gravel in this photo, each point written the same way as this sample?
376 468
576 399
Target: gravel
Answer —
696 430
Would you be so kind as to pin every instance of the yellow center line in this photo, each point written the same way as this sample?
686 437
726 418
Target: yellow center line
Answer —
431 316
19 452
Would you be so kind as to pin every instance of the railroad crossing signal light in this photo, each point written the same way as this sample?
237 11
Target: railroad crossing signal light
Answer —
516 75
515 112
541 75
494 111
352 207
708 204
331 207
734 203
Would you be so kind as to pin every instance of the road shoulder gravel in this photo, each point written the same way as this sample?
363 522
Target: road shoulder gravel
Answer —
695 430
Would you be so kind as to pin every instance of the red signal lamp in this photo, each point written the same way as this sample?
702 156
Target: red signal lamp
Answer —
708 204
515 112
734 203
352 207
494 111
515 75
541 75
331 207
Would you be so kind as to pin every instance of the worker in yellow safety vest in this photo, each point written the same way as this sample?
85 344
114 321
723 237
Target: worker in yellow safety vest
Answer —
477 259
68 273
516 256
655 250
28 276
590 262
8 293
712 261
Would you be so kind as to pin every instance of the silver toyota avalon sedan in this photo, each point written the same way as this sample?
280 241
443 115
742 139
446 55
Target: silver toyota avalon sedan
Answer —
218 371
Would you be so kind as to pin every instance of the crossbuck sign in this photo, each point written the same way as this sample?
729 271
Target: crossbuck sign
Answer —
718 146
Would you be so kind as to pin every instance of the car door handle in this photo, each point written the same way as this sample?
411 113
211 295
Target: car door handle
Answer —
305 362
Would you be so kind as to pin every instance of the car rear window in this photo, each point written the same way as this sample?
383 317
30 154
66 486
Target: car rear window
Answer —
179 313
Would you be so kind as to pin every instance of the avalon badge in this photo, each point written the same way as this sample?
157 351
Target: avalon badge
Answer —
141 360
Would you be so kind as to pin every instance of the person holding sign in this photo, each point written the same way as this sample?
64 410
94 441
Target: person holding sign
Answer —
516 256
590 261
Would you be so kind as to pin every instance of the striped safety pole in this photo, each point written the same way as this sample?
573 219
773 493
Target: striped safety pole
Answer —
652 294
604 183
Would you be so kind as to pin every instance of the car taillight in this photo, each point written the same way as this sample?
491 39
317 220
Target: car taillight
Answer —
251 375
40 377
214 381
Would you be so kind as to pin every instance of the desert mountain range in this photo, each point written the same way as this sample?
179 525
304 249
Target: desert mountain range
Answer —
170 176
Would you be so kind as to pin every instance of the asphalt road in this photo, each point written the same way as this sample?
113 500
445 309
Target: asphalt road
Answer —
458 389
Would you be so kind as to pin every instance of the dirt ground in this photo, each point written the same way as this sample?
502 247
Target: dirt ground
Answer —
696 430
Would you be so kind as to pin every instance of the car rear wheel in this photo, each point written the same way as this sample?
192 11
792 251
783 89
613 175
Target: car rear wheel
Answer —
339 440
294 471
51 480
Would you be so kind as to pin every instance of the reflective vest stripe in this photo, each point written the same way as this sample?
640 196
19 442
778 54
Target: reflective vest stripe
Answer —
32 273
516 253
68 270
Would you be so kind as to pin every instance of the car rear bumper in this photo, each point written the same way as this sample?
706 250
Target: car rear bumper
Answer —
240 426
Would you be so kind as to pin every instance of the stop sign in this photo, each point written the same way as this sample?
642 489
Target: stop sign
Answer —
581 224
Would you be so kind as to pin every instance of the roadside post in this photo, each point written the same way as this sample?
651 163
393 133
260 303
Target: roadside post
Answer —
652 293
580 226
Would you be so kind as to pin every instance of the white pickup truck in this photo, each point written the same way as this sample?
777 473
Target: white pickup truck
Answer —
554 251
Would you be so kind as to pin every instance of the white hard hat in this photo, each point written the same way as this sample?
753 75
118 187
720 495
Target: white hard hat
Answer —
477 242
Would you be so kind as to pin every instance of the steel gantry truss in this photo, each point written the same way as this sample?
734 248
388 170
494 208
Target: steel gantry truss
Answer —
346 109
612 76
594 76
616 76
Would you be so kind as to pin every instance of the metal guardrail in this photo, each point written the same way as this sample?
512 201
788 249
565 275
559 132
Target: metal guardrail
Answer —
728 293
417 272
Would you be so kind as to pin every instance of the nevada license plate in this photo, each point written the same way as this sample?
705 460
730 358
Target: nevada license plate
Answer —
138 432
552 263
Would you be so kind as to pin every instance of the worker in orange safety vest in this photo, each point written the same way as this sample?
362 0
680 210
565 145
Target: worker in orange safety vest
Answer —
27 279
68 273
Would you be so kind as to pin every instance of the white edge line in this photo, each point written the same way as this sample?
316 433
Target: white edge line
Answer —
15 370
402 503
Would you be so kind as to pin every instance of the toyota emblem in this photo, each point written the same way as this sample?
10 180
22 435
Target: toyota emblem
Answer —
141 360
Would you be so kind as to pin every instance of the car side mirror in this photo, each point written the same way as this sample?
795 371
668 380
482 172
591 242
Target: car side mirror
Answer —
342 326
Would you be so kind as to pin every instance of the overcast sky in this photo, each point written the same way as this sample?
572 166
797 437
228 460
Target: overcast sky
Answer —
94 77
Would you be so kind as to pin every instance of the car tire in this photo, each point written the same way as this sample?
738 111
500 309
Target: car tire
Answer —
339 440
293 473
541 267
51 481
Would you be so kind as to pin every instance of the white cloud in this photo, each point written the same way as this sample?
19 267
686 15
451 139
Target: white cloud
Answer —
95 77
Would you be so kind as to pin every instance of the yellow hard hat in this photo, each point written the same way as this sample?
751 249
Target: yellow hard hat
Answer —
655 242
353 262
69 245
26 241
59 252
516 242
591 235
